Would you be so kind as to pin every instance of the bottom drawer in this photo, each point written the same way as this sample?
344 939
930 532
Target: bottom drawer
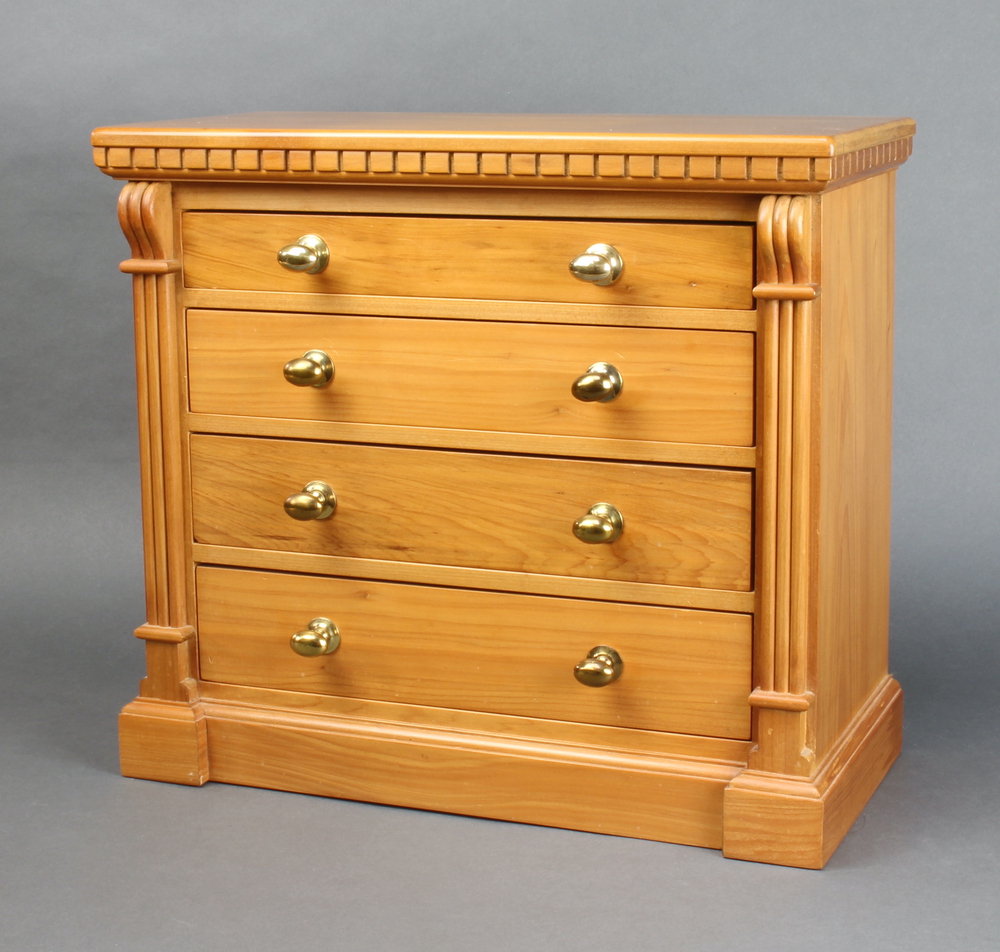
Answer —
684 671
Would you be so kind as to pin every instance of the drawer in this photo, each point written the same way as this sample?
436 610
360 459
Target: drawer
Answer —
668 264
683 671
683 526
680 386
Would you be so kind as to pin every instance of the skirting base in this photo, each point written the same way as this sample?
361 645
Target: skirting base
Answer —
798 822
748 814
628 793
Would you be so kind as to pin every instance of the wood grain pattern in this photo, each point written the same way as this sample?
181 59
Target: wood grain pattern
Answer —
751 153
685 672
680 386
527 583
150 266
786 498
459 772
345 198
853 557
145 216
164 740
149 297
463 597
171 635
679 265
697 454
798 822
600 739
703 135
469 309
824 510
776 173
682 526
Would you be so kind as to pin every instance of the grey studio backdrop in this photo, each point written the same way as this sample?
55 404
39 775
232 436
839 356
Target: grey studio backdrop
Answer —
90 861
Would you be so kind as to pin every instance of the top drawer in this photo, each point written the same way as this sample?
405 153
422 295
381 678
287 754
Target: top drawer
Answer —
668 265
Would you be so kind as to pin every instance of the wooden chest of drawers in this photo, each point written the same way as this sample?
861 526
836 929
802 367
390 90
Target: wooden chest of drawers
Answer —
528 467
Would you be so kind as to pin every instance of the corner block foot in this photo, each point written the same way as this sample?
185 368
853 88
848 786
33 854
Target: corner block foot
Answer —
769 818
164 740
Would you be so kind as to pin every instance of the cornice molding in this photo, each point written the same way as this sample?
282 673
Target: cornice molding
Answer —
773 174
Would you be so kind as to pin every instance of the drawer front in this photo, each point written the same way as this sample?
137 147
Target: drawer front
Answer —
683 671
673 265
678 386
689 527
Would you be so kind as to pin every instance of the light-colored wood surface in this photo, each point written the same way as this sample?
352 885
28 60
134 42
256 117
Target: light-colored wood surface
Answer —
140 214
599 739
163 740
670 265
145 216
733 153
823 511
685 672
609 204
526 583
705 135
683 526
542 170
551 784
785 495
800 822
856 448
679 386
467 309
453 537
697 454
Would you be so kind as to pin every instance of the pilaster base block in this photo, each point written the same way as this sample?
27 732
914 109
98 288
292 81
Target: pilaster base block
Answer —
770 818
163 740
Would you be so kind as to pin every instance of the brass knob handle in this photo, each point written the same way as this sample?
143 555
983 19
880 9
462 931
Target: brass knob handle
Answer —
310 253
603 665
600 264
601 523
321 637
316 501
601 383
313 369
